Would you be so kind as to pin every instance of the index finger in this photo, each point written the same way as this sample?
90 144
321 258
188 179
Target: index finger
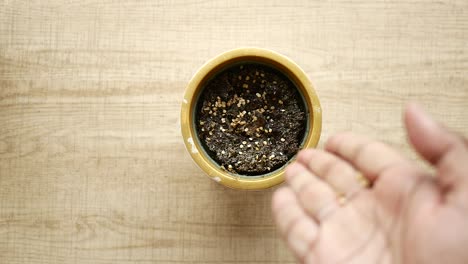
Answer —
368 156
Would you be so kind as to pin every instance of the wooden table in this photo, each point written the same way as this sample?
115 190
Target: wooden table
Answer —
92 165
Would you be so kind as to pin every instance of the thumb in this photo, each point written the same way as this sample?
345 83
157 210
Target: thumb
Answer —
430 139
442 148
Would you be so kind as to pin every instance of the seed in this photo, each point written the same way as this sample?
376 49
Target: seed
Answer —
257 149
272 108
282 139
224 110
263 75
280 102
256 73
258 95
249 145
244 112
246 129
230 167
250 139
269 130
202 129
215 114
223 152
223 120
211 112
239 77
244 142
272 156
247 78
240 152
264 142
241 146
256 142
211 133
245 86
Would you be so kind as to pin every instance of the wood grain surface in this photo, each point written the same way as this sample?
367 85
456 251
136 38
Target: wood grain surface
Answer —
92 165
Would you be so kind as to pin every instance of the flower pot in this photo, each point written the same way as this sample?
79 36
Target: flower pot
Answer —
192 95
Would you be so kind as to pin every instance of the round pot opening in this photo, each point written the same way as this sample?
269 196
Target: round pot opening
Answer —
250 118
255 60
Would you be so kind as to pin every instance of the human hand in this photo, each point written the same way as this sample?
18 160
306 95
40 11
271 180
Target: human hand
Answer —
361 201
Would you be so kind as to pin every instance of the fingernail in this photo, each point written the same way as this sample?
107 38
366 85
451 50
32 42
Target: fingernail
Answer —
422 115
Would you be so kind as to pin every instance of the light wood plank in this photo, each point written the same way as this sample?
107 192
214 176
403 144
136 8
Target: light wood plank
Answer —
92 164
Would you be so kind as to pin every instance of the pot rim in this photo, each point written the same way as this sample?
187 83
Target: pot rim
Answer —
195 86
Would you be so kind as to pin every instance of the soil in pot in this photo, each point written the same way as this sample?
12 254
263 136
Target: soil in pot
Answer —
250 119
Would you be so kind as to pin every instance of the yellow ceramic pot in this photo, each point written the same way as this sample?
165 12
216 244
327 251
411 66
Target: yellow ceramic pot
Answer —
210 69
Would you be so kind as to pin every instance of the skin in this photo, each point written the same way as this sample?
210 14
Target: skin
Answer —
327 214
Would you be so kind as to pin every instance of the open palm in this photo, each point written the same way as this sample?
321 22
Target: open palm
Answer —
360 201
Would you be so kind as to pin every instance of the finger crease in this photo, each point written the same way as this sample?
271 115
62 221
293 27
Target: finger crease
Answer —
310 248
303 187
357 154
328 167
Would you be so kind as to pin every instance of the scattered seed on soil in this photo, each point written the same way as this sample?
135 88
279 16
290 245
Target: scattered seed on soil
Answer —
232 113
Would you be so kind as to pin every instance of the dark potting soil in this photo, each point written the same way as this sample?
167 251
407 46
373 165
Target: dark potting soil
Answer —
251 119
